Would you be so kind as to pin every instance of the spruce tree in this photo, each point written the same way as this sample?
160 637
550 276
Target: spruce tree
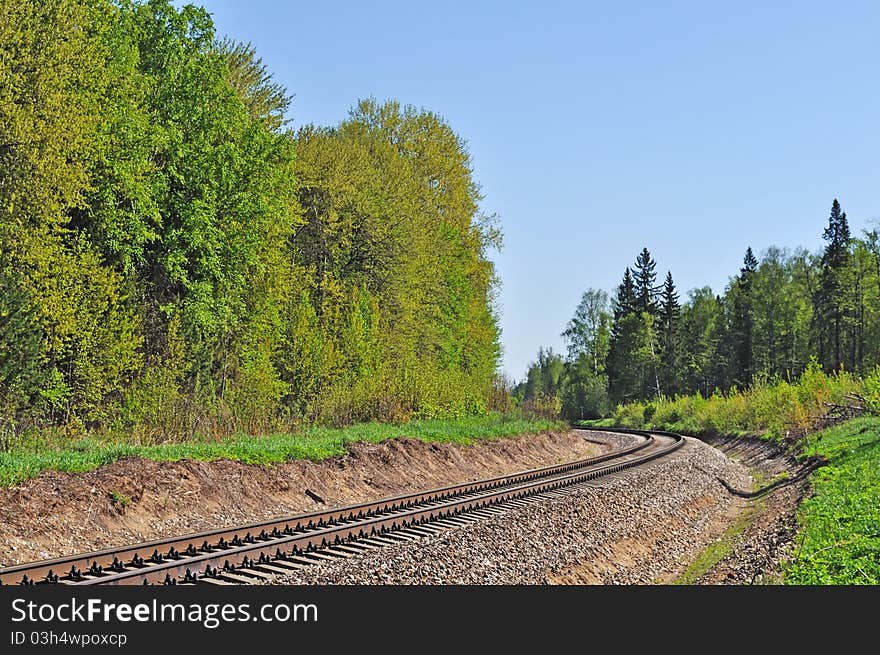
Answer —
646 304
625 300
621 366
829 304
670 310
742 323
645 276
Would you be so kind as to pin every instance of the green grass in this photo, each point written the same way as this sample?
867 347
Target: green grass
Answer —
839 537
596 423
314 443
717 551
119 498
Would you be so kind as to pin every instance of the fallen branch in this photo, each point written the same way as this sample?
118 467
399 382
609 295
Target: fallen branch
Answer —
848 408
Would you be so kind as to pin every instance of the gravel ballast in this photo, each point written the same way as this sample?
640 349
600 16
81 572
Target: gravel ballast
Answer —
639 528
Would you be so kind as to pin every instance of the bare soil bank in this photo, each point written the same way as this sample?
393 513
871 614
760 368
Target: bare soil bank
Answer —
136 499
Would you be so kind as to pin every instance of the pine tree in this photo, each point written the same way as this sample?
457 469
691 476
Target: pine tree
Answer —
829 304
645 276
742 323
670 310
623 379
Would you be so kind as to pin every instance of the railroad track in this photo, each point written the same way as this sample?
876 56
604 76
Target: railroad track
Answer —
261 551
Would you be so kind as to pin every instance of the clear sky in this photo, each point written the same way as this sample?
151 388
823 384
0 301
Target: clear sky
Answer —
693 128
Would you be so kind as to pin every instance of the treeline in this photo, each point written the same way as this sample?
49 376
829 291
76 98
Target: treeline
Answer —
175 259
775 317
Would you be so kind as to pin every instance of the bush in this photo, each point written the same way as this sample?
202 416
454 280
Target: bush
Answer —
775 408
631 415
871 391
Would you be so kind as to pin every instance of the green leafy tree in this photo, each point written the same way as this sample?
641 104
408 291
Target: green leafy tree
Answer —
265 99
700 331
869 255
76 336
587 333
584 392
781 307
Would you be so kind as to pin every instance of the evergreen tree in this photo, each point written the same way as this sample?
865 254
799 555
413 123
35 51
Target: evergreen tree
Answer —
829 303
625 300
623 373
670 310
742 323
645 277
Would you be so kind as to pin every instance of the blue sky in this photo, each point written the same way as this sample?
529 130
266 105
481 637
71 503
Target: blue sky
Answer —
596 128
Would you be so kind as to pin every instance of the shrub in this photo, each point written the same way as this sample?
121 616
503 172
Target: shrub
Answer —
772 406
871 391
631 415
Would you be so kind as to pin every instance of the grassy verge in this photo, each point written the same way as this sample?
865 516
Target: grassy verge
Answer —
313 443
596 423
839 538
718 550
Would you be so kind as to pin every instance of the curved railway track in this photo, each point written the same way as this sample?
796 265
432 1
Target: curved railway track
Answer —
251 553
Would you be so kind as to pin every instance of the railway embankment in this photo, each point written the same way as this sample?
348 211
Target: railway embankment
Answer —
137 499
641 526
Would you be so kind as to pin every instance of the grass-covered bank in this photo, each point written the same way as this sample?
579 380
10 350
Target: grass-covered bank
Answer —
315 443
839 537
774 409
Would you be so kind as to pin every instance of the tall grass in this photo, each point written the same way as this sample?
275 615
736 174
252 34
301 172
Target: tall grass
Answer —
773 408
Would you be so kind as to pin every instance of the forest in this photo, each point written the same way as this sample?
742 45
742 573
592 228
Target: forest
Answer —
176 259
780 315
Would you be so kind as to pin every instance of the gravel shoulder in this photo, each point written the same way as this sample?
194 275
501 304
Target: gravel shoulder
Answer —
756 553
637 528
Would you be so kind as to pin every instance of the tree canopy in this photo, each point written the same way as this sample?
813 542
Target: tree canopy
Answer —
777 314
175 259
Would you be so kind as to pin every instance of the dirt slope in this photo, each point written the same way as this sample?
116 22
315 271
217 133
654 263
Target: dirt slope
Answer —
61 513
